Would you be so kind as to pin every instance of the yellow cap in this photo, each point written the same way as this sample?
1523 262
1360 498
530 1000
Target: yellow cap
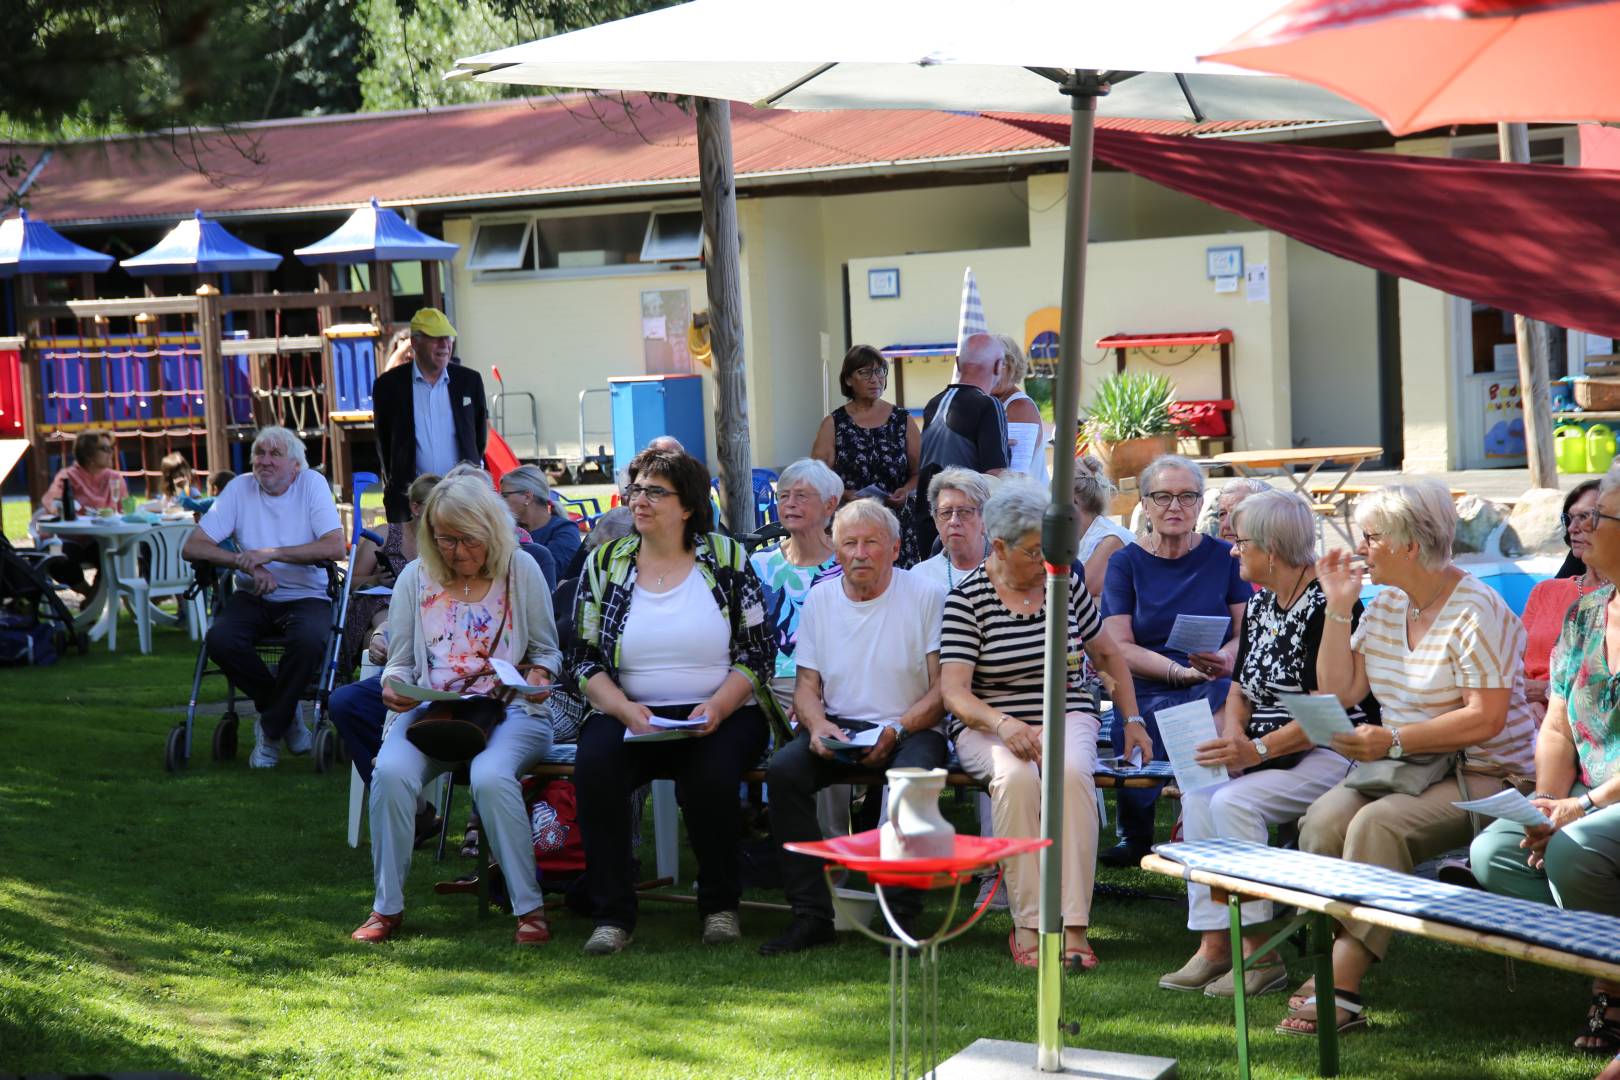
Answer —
432 322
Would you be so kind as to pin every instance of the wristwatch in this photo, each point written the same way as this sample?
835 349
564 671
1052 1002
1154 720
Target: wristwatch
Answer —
1135 720
1260 748
1586 803
1395 750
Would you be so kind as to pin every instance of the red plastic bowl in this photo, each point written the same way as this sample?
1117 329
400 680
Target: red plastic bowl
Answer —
862 853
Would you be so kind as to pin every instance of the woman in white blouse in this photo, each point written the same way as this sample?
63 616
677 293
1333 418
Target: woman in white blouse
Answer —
956 498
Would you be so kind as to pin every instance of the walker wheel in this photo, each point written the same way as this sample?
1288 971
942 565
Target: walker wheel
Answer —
225 737
174 750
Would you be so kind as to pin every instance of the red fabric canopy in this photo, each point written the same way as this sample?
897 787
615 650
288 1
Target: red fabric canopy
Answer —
1538 240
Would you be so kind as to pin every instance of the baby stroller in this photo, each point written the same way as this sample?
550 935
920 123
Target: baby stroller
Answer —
28 601
215 584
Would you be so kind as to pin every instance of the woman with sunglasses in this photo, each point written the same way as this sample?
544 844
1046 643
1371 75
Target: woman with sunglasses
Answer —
1550 601
1184 573
872 443
669 626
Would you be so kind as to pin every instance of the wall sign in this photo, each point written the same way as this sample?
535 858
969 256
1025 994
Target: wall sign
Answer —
1222 262
883 284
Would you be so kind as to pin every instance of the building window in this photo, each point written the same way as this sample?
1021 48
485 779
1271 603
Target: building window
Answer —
673 236
503 245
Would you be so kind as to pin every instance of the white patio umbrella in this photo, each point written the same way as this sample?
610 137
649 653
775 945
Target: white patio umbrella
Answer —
1132 58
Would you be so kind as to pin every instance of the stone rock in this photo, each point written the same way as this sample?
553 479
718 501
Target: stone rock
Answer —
1533 527
1477 519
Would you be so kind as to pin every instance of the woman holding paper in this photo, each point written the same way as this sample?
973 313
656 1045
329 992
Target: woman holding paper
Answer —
1144 594
464 603
993 675
1576 862
1276 770
671 641
1443 654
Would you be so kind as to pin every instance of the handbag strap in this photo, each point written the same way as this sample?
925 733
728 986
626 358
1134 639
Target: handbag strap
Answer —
1474 821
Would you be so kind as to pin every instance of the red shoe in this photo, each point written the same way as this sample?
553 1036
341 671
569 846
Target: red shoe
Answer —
532 929
378 928
1029 958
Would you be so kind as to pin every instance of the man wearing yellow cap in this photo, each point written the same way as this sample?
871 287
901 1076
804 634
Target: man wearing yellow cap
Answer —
430 413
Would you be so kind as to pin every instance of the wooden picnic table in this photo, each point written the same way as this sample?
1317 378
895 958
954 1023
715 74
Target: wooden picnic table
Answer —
1311 459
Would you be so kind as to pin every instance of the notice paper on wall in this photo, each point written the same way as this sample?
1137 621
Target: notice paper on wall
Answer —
1257 279
1183 728
1509 805
1320 715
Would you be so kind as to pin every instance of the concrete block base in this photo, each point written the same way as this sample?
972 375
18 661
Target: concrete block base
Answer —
1001 1059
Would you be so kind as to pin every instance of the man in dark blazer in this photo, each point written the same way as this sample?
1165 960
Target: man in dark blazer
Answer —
430 413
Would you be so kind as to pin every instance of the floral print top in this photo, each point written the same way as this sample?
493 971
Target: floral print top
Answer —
462 635
786 585
1581 676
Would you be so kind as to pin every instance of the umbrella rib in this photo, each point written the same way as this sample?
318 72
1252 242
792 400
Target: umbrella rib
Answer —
771 99
1192 102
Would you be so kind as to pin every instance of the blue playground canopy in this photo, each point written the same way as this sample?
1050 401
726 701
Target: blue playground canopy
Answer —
375 234
199 246
33 247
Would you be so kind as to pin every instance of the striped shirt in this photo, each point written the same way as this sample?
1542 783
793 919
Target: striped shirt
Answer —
1476 643
1008 651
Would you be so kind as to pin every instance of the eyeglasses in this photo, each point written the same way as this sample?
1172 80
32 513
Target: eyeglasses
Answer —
797 496
1586 519
1241 542
1031 555
652 492
1185 499
957 513
450 543
872 371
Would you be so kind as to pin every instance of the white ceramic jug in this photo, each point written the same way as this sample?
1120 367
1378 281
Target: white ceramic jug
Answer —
916 829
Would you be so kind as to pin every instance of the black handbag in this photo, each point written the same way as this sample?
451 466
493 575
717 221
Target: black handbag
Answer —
455 731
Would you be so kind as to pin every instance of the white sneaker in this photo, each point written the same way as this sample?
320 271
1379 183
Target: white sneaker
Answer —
607 940
264 754
298 738
721 928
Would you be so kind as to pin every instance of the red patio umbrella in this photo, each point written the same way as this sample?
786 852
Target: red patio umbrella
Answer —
1422 64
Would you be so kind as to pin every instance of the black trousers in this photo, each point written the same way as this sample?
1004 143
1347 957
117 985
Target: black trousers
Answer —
249 619
796 773
707 773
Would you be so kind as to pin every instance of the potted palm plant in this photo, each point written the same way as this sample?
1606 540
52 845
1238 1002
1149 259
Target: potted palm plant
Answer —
1129 421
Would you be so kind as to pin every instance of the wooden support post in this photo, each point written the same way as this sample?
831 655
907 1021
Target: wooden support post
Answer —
213 375
723 275
1534 395
33 389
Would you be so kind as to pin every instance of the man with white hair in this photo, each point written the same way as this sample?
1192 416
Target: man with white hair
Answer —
284 524
963 425
868 659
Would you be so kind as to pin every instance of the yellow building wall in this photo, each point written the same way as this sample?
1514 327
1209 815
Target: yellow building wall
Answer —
556 337
1428 381
1333 336
1133 286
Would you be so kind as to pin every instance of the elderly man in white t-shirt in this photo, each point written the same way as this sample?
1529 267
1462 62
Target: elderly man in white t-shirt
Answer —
868 660
284 524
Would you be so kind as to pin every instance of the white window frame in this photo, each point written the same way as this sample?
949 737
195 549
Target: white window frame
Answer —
484 264
650 256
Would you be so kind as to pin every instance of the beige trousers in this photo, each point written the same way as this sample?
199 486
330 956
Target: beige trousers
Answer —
1015 807
1395 831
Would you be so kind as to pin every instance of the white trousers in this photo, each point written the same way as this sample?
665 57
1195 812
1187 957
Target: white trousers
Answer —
402 771
1243 808
1015 803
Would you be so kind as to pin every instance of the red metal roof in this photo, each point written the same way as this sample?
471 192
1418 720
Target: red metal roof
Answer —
1161 341
554 144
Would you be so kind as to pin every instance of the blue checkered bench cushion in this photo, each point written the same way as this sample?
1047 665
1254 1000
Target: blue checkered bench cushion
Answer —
1582 933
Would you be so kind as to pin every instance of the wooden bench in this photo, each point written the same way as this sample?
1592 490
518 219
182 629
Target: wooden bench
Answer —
1235 871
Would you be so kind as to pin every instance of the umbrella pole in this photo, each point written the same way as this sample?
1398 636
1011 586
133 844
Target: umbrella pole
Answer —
1060 542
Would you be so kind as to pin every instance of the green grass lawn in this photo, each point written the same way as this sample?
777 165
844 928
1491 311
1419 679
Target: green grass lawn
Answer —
199 923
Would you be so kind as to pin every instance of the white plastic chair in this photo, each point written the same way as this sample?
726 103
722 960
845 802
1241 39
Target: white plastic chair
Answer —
168 575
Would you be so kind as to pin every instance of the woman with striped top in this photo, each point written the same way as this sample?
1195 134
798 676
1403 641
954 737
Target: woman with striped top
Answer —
993 673
1444 655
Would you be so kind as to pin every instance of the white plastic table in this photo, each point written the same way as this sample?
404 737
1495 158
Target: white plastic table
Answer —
118 541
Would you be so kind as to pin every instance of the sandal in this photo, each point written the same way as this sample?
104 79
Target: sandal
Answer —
1306 992
1029 958
377 928
1078 960
469 842
1343 1000
1600 1027
532 929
